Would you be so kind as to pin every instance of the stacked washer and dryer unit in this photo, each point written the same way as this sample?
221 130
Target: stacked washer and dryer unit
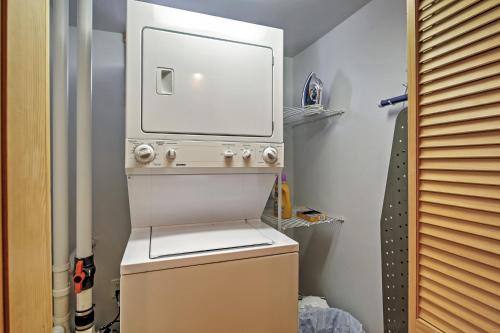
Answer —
204 142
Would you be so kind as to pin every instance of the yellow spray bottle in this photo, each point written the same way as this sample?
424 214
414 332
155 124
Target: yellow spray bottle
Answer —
286 200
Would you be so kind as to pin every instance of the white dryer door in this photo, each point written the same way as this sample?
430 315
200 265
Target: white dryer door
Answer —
200 85
196 238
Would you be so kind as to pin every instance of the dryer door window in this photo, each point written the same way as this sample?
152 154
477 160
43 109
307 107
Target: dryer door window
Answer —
204 86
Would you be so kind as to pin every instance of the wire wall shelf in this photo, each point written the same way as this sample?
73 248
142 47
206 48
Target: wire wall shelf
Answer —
294 116
296 222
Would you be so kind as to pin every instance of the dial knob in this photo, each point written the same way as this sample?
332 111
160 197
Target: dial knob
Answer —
144 153
270 155
246 154
171 154
228 153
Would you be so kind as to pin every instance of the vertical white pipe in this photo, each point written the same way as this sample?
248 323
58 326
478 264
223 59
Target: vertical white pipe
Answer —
60 233
84 301
84 132
84 148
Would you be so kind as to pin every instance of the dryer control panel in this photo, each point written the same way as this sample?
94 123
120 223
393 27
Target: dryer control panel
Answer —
194 154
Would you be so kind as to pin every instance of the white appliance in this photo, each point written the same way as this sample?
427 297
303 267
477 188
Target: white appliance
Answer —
204 142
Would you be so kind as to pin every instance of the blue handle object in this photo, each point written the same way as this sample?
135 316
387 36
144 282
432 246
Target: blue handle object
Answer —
393 100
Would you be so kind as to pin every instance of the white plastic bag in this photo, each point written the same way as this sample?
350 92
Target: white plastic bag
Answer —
331 320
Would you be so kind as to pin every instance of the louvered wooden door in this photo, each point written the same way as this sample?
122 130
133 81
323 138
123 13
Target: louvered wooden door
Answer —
454 165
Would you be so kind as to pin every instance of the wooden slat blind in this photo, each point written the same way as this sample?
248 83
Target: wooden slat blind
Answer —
454 120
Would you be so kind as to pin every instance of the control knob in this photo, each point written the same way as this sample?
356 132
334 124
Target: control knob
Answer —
144 153
246 154
270 155
229 153
171 154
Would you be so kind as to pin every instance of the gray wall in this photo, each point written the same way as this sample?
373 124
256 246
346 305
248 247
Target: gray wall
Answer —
340 166
111 221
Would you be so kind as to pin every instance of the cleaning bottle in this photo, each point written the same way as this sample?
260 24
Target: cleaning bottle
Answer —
286 200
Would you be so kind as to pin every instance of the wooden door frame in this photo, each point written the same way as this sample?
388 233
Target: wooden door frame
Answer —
25 167
2 108
412 164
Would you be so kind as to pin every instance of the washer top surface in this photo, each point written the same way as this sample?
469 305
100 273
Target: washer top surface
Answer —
189 245
196 238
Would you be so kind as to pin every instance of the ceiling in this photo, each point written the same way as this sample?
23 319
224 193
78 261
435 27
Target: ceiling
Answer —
304 21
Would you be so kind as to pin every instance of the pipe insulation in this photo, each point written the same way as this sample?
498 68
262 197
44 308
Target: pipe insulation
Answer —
60 222
84 316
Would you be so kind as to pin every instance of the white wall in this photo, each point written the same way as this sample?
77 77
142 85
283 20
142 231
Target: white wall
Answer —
340 166
111 221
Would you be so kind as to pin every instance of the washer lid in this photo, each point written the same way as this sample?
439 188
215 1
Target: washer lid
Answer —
177 240
136 258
